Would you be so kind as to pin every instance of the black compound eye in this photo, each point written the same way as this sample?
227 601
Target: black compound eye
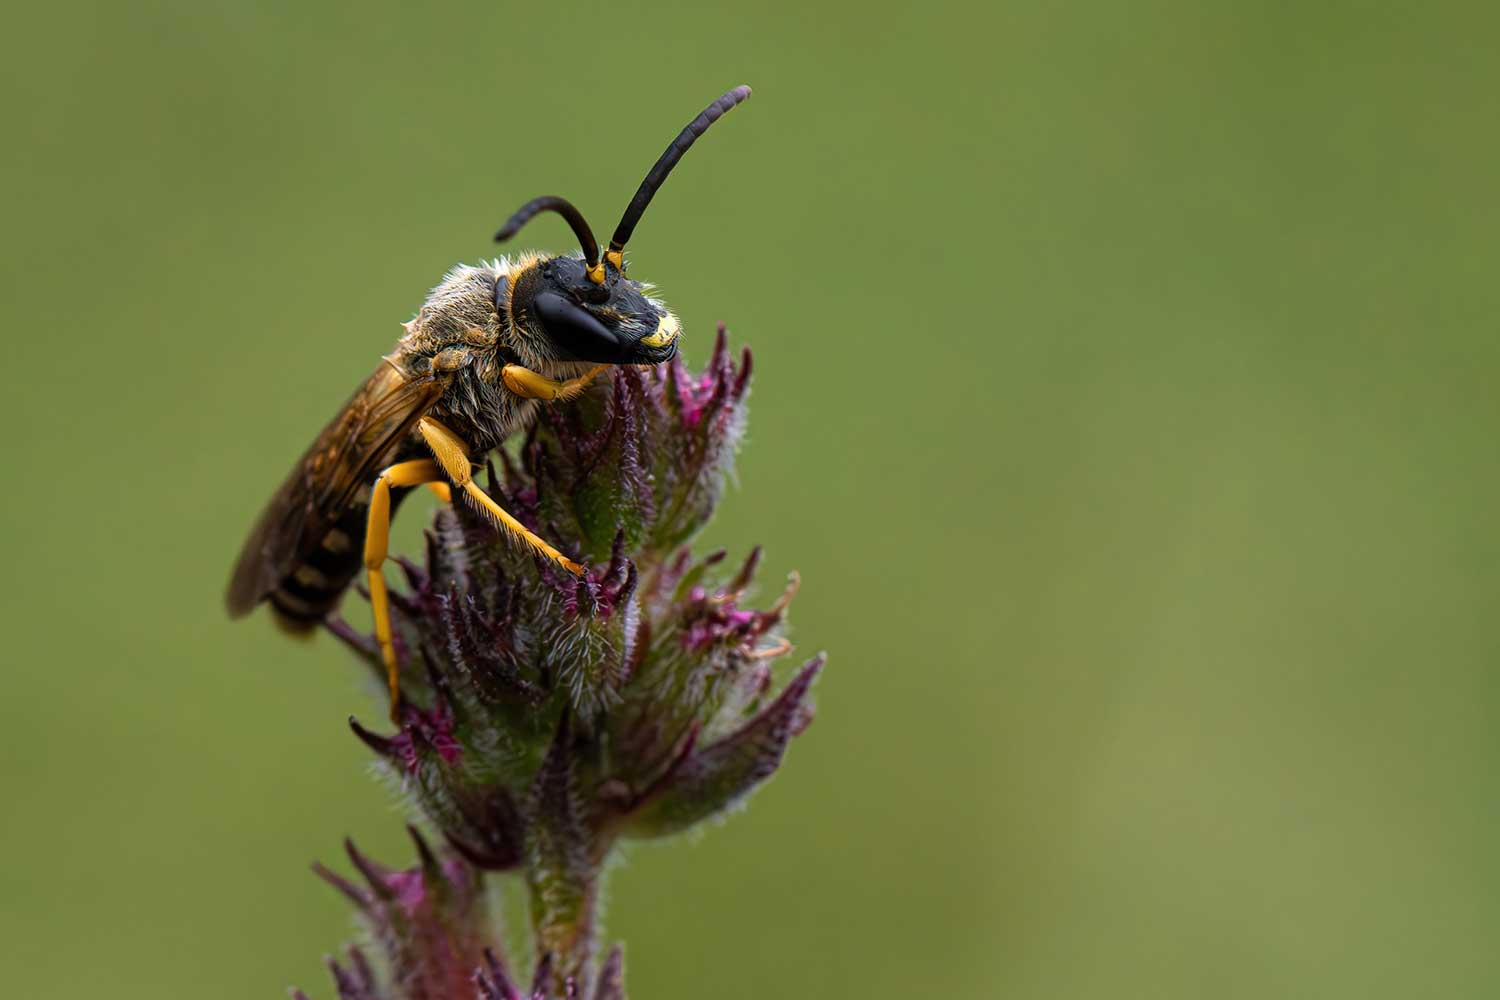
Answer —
577 333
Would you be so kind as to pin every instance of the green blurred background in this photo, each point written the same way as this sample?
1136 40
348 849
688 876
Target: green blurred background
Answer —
1125 396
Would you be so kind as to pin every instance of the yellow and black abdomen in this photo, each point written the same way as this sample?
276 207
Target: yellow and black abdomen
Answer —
313 588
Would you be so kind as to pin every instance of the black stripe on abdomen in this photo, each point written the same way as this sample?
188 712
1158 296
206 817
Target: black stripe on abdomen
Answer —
306 595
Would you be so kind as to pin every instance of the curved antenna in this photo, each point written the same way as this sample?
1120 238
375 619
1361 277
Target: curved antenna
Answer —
658 173
566 209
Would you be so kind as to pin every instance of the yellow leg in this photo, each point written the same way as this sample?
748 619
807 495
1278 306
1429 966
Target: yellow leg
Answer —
527 383
443 492
453 455
377 539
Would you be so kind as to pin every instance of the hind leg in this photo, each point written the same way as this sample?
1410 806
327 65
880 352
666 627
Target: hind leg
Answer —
377 540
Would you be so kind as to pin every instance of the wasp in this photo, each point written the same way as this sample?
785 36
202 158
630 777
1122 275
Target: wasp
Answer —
488 347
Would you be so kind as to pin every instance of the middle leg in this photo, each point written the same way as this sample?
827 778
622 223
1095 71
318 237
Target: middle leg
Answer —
453 455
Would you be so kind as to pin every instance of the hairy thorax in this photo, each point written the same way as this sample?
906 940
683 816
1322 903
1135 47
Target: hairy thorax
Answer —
463 335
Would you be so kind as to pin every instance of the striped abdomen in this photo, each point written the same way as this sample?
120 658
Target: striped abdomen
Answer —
306 595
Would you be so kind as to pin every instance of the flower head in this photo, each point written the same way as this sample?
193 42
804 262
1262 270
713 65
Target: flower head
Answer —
550 716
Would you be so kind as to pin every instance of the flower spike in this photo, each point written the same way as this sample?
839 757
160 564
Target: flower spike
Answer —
549 716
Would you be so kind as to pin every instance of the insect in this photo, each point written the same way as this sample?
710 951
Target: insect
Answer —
490 344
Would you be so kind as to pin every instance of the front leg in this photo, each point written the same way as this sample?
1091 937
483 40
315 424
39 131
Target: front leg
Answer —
533 385
453 455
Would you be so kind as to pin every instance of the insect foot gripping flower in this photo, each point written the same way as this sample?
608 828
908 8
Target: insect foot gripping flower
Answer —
548 717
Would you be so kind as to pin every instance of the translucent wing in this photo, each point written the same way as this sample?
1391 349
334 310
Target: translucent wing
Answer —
348 455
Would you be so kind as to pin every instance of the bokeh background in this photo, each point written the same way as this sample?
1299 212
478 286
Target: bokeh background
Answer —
1126 398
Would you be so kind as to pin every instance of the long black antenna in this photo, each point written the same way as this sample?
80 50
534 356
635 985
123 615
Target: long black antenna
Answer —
564 208
664 165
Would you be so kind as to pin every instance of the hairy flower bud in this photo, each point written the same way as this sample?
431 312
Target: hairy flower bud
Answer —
548 716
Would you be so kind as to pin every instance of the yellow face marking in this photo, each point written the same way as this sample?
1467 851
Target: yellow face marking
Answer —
666 332
616 259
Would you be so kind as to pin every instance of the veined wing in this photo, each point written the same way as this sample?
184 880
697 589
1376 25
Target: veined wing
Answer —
347 455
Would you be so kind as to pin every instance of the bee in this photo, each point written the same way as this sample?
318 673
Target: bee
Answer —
490 345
